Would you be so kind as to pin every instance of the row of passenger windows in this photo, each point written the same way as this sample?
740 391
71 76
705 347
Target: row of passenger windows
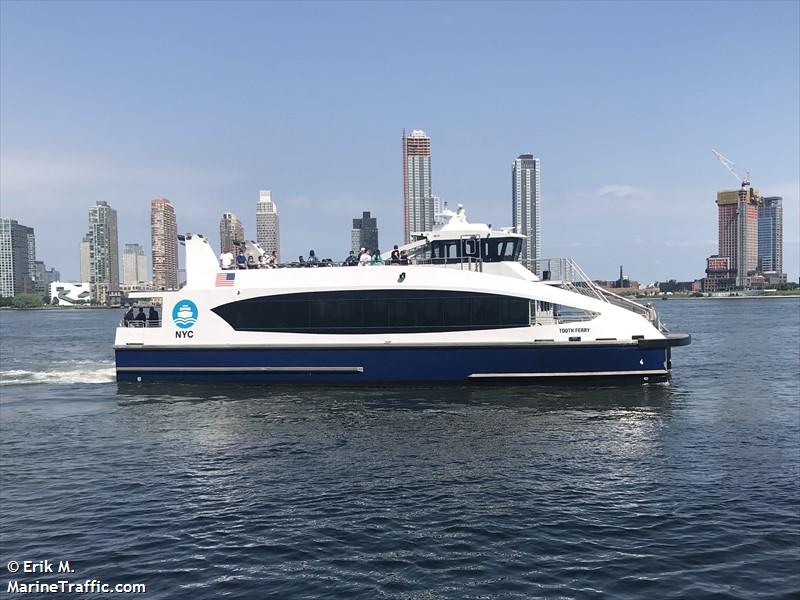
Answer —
376 311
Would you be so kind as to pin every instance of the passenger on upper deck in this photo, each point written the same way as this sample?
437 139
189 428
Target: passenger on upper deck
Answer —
395 259
351 260
403 257
364 259
272 261
226 259
141 318
241 260
152 318
251 262
128 317
262 261
377 259
312 261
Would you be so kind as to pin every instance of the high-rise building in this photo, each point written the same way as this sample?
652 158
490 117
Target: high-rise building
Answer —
526 204
85 253
16 243
770 235
231 231
134 264
103 251
164 236
42 278
438 207
365 233
738 230
418 207
31 253
268 231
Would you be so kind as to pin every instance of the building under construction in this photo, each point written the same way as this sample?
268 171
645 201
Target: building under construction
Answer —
737 256
741 219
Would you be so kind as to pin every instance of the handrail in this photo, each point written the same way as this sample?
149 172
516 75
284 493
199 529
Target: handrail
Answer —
572 277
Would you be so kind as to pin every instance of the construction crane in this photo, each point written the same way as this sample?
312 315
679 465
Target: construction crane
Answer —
728 164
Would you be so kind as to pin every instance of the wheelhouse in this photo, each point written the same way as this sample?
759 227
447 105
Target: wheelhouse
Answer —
487 249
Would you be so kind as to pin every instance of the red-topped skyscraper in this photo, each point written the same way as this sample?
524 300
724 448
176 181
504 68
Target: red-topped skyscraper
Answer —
417 196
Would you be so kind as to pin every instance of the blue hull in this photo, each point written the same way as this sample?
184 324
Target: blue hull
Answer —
392 365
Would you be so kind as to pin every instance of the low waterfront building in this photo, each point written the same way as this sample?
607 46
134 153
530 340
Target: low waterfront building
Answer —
720 275
68 293
673 286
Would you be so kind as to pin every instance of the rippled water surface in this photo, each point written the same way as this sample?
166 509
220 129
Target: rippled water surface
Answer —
687 490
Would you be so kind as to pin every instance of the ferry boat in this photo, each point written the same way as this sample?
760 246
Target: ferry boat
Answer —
460 309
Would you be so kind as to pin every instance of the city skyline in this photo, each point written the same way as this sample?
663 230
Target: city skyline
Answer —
623 117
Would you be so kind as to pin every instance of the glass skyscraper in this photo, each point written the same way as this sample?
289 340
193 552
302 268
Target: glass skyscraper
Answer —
526 203
364 233
770 235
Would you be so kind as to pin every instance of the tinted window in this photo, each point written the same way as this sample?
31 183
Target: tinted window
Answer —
489 249
376 311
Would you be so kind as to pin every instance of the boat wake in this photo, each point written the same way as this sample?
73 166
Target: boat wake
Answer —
63 372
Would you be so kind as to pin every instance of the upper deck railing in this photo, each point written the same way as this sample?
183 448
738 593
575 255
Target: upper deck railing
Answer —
565 272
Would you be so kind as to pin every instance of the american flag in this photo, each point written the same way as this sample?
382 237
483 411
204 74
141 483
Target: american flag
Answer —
225 279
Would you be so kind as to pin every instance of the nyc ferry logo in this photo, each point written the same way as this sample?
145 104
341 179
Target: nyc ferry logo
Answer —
184 314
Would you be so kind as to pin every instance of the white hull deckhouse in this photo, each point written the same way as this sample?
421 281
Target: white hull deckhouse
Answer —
460 309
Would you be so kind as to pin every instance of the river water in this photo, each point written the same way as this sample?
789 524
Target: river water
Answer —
686 490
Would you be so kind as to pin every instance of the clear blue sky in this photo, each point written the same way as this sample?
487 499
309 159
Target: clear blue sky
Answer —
207 103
